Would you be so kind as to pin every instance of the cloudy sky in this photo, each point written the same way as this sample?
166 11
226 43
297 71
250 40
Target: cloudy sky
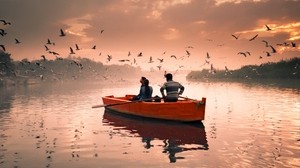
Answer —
156 28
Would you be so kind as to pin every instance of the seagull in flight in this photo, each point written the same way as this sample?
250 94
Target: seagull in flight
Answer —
3 47
253 37
173 56
17 41
268 28
62 33
140 54
273 49
71 50
236 36
160 60
5 22
77 48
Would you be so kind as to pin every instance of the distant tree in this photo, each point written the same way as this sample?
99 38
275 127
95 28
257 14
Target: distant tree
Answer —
6 64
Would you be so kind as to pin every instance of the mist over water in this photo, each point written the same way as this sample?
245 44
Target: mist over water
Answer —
247 124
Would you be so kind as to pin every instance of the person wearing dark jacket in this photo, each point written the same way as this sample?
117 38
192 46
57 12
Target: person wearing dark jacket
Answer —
145 90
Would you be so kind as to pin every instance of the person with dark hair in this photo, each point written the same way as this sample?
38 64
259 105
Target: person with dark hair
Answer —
145 90
173 89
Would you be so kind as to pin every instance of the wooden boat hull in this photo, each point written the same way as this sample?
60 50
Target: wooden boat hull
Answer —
187 110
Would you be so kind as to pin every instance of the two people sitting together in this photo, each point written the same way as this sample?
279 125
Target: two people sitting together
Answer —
173 90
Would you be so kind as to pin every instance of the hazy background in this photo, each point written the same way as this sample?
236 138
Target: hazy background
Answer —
157 28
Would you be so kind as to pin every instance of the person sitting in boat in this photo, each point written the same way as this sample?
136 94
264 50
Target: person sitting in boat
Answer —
145 90
173 89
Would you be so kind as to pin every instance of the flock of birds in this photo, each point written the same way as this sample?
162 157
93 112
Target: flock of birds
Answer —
129 60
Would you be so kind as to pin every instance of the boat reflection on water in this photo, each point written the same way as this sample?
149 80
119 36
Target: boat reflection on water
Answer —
177 137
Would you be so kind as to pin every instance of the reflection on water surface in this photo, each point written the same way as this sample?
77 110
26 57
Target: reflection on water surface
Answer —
246 125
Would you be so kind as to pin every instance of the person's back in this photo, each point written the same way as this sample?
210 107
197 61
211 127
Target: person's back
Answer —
173 89
146 91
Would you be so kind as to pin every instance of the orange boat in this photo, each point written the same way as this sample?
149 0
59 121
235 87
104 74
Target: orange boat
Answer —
186 110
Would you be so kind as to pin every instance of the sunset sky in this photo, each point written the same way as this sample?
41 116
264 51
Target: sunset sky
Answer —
157 28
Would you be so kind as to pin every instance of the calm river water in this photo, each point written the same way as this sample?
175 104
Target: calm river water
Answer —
246 125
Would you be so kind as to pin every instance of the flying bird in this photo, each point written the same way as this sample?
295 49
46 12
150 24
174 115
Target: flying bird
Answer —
267 43
62 33
207 55
293 44
268 28
94 47
46 47
273 49
188 53
17 41
253 37
101 31
49 42
3 47
140 54
109 57
71 50
173 56
2 32
124 60
150 60
245 53
128 53
5 22
160 60
44 58
77 48
236 36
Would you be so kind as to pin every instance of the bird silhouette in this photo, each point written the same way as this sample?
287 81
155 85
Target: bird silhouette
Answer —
101 31
3 47
77 48
268 28
62 33
46 47
128 53
94 47
188 53
244 53
109 57
160 60
124 60
49 42
268 54
140 54
207 55
2 32
44 58
173 56
71 51
273 49
236 36
253 37
159 67
150 60
267 43
17 41
293 44
5 22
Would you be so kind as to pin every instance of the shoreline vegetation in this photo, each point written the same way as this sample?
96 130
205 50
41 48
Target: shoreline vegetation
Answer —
78 69
285 69
24 72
